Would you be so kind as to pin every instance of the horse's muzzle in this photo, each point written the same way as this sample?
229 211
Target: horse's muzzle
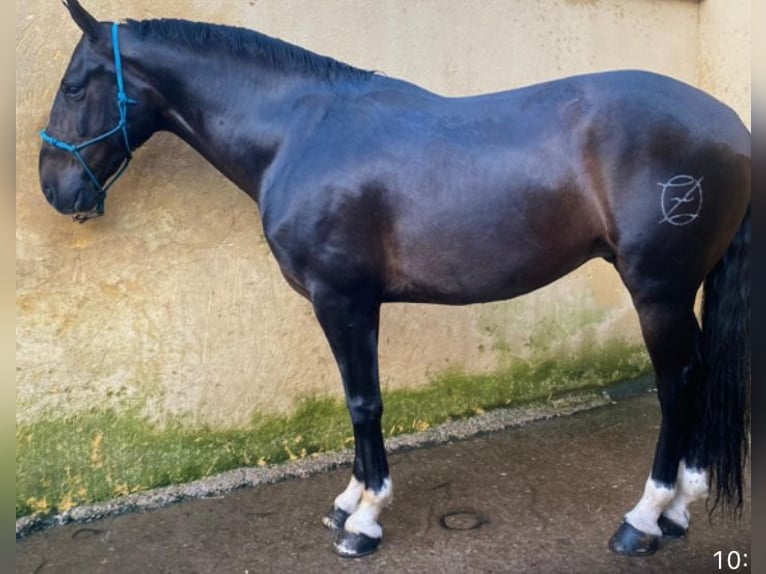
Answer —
77 199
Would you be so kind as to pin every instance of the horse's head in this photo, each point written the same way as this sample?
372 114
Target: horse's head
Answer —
100 114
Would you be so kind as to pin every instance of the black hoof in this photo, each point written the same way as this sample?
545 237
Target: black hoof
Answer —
669 528
335 519
630 541
352 545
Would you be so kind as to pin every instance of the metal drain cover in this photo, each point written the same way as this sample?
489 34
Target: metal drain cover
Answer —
463 520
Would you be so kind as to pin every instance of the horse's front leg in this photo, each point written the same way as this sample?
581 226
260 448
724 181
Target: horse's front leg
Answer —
350 323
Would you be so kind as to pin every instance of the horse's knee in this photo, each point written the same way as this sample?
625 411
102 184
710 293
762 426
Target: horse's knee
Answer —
365 411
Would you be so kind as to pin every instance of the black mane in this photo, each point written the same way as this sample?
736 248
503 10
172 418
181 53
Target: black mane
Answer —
244 43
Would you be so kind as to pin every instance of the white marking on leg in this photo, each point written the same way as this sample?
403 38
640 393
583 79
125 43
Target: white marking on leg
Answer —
692 484
365 519
645 514
348 500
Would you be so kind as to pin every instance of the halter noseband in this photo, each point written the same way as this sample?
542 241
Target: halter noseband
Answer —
122 104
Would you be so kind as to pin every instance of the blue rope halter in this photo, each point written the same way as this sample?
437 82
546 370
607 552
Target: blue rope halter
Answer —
122 104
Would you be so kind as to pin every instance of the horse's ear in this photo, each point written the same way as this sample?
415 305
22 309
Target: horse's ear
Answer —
87 23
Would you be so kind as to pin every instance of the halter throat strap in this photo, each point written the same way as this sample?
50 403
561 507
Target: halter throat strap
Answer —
121 128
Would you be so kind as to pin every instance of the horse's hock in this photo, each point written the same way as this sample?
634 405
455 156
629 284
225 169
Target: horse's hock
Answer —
172 309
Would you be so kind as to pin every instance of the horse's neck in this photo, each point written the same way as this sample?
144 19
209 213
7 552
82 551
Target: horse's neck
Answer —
234 115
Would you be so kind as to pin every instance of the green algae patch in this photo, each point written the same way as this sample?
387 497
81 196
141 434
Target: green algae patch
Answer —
98 455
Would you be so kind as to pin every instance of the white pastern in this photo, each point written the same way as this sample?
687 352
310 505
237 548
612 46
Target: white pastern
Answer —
692 484
645 514
349 499
365 519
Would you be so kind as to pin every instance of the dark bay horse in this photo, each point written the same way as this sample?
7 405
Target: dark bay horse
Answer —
372 190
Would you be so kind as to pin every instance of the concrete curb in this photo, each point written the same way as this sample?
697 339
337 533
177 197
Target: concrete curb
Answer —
217 485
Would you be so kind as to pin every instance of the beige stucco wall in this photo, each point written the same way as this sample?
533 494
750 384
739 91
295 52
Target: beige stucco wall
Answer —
173 299
725 53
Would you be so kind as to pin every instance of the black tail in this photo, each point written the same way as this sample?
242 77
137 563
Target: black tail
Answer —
726 337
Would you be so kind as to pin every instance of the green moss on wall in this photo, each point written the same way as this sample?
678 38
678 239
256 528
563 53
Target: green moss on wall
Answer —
97 455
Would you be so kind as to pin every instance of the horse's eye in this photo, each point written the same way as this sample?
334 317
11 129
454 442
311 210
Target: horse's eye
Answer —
72 90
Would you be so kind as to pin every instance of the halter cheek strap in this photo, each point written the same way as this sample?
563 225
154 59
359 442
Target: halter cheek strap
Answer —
122 127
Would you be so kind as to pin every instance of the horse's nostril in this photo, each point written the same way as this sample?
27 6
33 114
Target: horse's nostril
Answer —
50 193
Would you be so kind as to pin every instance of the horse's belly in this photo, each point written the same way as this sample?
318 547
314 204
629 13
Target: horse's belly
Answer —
461 270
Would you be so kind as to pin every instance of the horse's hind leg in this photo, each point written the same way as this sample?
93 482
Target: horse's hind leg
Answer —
350 324
671 334
692 480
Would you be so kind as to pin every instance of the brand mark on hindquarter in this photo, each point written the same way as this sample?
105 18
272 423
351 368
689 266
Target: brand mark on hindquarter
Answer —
681 200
